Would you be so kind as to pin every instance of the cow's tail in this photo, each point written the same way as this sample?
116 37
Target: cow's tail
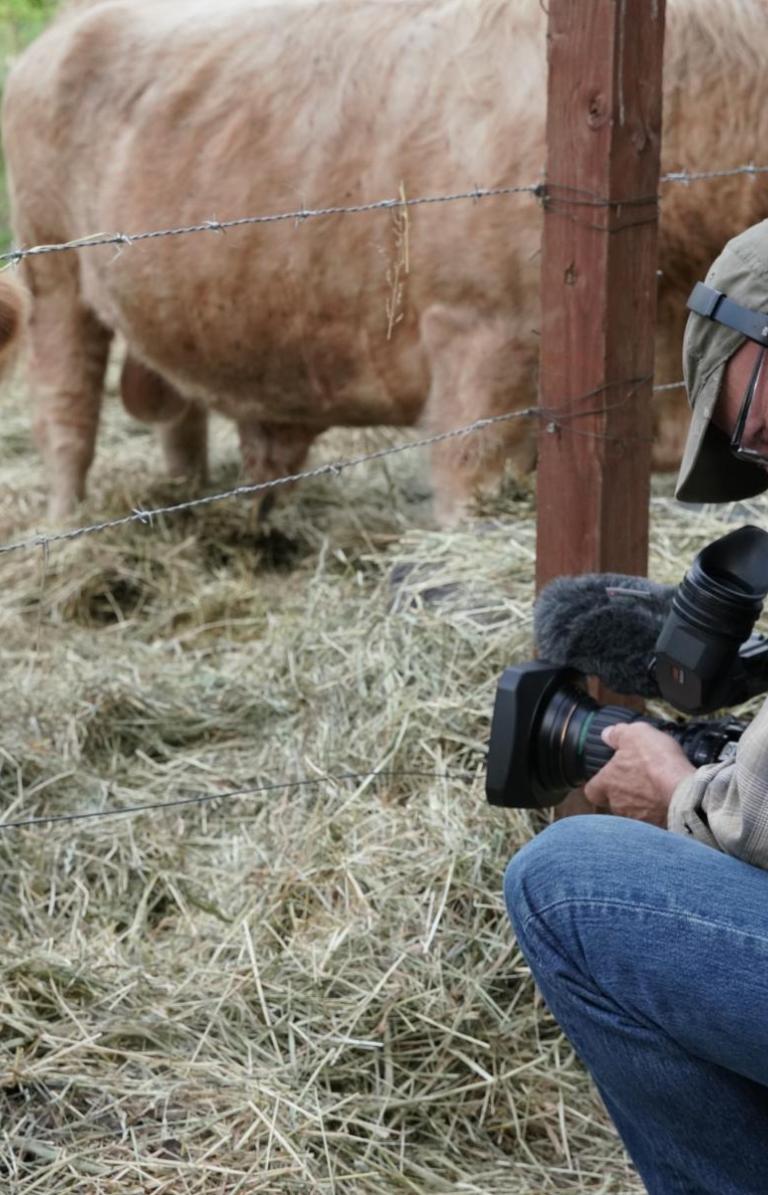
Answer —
14 313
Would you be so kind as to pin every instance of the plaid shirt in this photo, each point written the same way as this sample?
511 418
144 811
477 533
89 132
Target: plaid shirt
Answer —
725 805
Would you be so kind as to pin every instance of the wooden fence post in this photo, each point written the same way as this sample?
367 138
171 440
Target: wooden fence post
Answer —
598 285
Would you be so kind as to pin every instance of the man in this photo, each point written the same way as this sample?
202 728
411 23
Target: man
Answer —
647 933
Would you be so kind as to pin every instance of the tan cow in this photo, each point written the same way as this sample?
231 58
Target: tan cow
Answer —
139 114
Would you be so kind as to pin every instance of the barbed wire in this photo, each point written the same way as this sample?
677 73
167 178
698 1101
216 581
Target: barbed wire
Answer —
248 791
696 176
555 420
543 191
297 216
333 468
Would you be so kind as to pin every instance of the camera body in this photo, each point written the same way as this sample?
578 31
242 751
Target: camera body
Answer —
546 733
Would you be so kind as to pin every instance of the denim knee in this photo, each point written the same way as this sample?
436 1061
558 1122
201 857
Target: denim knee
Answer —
543 871
585 857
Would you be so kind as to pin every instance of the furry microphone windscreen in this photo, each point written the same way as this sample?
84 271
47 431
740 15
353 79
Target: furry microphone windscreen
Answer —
605 625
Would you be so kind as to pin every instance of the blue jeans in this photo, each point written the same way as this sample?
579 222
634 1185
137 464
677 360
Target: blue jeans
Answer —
651 950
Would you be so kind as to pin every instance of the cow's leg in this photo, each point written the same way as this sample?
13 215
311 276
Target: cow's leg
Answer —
69 348
273 450
480 367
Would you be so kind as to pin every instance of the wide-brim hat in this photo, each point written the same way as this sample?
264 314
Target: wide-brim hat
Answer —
709 471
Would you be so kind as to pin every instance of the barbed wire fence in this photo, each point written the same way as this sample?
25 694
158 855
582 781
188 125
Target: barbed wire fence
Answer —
545 192
333 468
548 194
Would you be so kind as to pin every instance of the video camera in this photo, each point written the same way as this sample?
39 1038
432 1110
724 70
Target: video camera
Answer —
692 646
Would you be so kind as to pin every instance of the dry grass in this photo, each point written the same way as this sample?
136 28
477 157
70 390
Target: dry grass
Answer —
314 990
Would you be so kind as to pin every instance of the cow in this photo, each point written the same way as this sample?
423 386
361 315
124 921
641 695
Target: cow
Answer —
129 115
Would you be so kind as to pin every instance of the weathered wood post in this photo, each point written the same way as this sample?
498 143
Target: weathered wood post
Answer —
598 286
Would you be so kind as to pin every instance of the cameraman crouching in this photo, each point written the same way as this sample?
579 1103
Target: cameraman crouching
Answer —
651 948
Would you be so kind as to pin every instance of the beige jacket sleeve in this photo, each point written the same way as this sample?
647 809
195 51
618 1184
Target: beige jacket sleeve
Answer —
725 805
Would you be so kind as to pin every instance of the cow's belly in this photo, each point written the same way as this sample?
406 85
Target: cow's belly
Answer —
243 360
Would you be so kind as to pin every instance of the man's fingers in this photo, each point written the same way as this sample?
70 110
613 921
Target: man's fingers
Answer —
622 732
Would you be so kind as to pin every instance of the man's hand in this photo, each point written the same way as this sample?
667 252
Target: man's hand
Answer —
639 780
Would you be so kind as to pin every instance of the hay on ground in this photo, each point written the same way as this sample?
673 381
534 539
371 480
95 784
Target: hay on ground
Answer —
310 990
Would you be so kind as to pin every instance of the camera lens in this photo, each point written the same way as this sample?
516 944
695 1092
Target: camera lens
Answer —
569 746
546 736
